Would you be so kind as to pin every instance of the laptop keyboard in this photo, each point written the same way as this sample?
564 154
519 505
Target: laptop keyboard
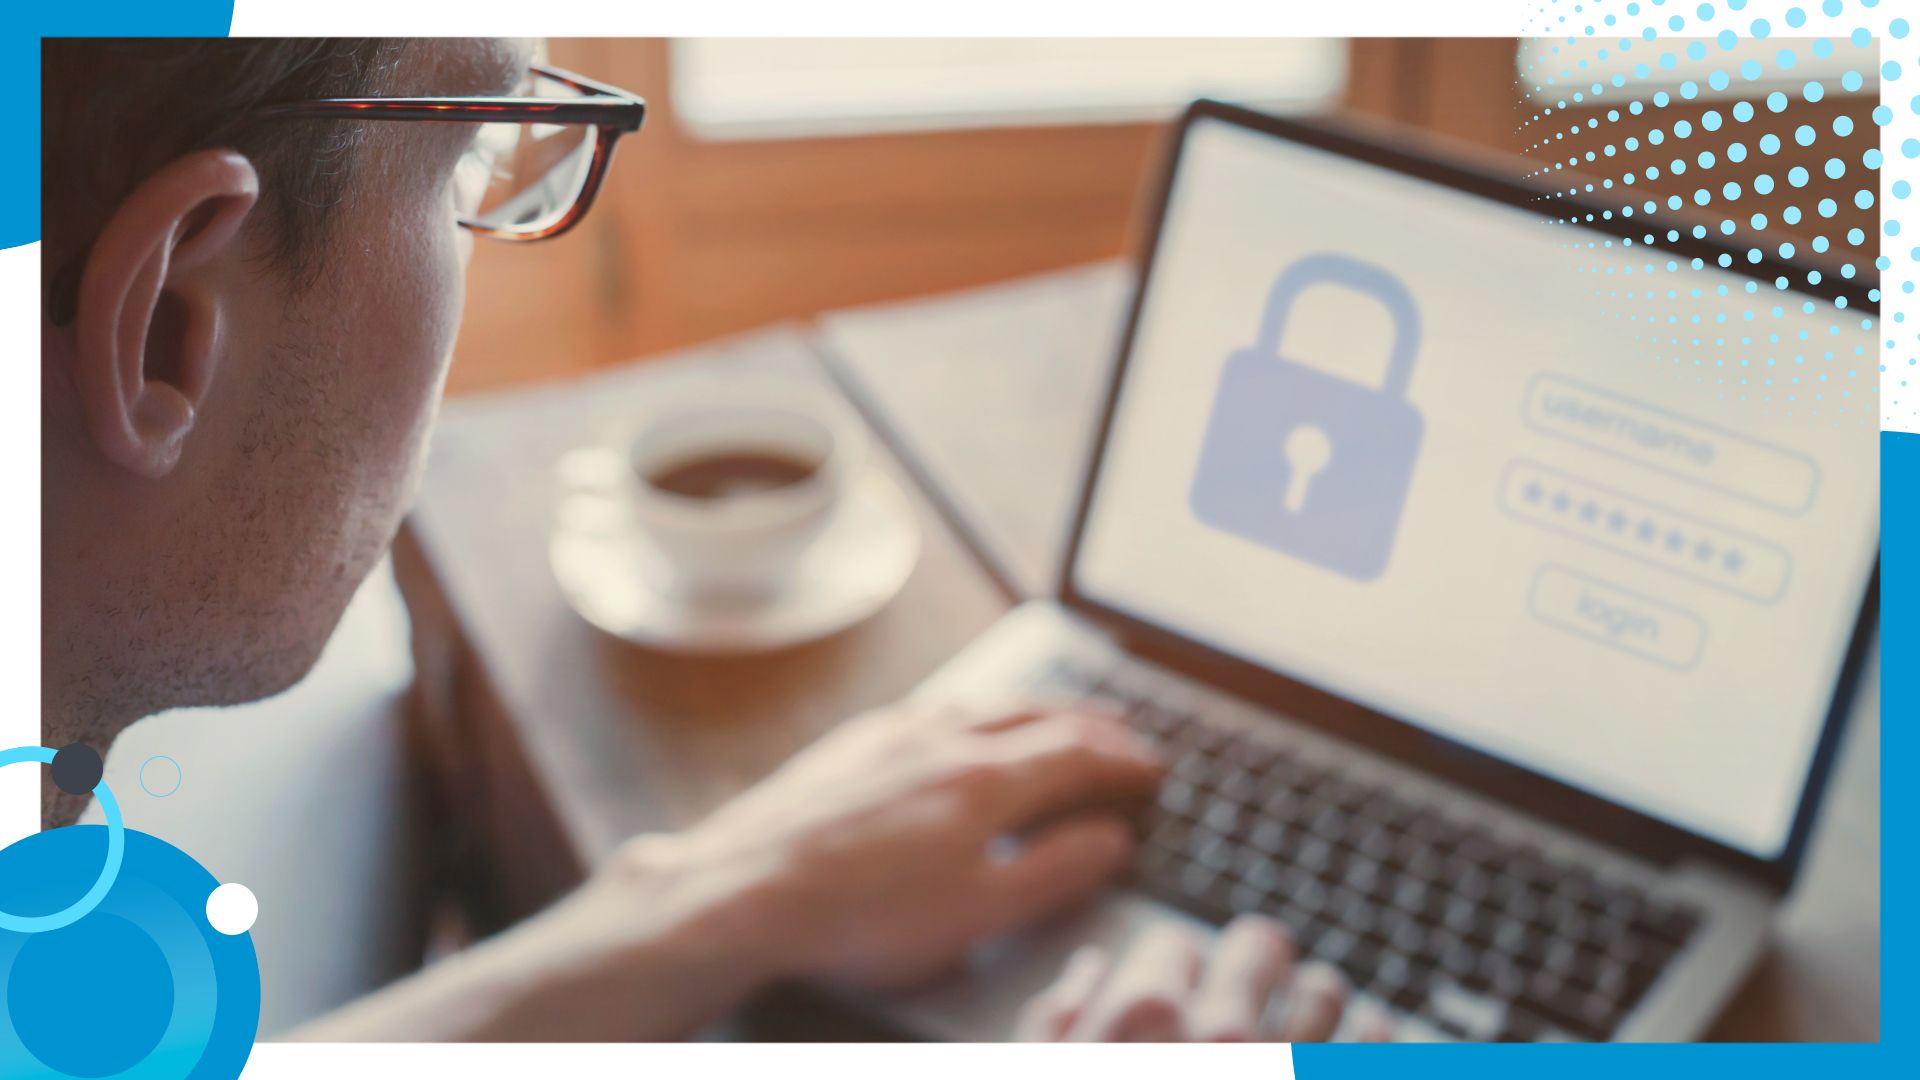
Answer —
1478 937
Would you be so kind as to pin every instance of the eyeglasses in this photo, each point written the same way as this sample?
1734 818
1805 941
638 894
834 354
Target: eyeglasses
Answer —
536 161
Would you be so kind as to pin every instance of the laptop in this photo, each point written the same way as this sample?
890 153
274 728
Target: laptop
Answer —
1493 565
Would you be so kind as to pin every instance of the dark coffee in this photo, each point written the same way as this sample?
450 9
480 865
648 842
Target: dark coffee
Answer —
728 474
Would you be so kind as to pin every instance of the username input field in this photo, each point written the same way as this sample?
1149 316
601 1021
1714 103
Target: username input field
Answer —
1667 442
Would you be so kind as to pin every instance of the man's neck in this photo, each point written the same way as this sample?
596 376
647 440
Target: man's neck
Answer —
103 646
67 717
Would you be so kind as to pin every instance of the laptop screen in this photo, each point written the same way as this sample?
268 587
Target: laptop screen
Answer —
1582 506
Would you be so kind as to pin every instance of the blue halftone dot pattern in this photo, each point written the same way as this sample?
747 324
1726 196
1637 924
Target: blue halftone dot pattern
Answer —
1667 77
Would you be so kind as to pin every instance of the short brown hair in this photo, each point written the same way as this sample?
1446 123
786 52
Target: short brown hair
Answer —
115 110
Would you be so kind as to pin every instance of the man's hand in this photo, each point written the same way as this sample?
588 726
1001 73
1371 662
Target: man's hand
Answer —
1169 988
874 858
880 853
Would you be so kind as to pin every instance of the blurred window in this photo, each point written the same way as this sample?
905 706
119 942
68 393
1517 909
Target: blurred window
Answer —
1714 72
747 87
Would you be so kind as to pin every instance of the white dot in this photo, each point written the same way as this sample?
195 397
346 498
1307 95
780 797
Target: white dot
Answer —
231 909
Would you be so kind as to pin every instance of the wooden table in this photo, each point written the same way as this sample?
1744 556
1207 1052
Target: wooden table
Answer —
548 743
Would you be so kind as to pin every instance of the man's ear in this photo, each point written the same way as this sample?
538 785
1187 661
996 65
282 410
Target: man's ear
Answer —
151 312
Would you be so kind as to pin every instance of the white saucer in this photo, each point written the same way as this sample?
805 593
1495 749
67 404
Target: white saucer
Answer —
620 583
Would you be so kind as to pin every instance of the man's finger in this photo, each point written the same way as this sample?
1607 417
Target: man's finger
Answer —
1070 761
1144 999
1014 714
1314 1004
1367 1022
1251 960
1060 865
1050 1015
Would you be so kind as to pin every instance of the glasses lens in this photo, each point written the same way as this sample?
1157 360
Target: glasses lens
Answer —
524 177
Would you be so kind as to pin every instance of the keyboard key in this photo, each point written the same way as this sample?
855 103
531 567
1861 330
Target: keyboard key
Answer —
1480 931
1309 931
1467 879
1409 939
1354 911
1459 915
1292 917
1523 1025
1281 805
1427 864
1409 998
1588 1016
1193 769
1243 898
1329 823
1392 970
1375 841
1237 784
1473 1016
1178 797
1211 850
1583 970
1262 873
1559 957
1334 945
1293 882
1392 920
1610 979
1316 856
1362 875
1222 815
1311 895
1267 834
1362 960
1504 975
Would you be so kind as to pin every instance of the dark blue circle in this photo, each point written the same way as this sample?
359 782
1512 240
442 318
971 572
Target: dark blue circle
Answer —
58 974
77 769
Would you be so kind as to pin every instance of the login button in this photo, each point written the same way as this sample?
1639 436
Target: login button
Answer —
1608 614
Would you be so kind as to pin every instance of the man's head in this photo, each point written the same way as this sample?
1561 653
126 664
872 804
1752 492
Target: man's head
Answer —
246 327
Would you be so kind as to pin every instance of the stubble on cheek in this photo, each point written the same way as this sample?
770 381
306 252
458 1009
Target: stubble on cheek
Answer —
410 280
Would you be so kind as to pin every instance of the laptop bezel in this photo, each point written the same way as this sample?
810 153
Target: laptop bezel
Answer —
1505 781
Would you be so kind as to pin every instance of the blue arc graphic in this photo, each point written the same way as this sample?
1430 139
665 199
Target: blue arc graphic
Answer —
109 870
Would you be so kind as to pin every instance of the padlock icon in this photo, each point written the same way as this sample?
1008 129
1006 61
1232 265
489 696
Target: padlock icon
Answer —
1307 462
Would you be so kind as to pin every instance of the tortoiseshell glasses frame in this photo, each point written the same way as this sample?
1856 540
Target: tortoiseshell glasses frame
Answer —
568 183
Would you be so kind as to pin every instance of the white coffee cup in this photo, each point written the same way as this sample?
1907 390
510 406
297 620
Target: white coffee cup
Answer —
732 480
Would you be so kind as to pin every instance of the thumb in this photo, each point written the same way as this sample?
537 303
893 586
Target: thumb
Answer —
1057 866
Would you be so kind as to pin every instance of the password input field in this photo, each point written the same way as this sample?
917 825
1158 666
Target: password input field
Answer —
1645 531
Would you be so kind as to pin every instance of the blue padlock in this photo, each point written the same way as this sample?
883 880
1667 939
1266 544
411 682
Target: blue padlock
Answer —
1306 462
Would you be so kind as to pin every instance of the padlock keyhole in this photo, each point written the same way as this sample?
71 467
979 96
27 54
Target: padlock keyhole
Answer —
1308 451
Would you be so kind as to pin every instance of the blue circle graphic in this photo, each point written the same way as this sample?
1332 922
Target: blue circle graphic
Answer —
109 864
143 987
146 785
55 971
